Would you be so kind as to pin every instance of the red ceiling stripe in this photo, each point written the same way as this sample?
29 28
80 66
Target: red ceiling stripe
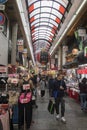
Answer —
57 20
34 48
33 31
53 32
32 27
54 27
50 40
51 36
31 8
33 36
33 40
48 44
62 9
34 45
32 19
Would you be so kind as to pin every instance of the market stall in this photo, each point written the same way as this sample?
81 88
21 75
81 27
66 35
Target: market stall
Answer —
72 84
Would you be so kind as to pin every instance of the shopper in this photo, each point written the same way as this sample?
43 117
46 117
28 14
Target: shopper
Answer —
50 85
83 92
59 88
42 86
34 80
25 103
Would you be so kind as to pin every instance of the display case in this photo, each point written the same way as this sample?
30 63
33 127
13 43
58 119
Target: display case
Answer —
72 84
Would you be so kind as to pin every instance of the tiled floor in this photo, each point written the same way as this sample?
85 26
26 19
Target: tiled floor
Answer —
43 120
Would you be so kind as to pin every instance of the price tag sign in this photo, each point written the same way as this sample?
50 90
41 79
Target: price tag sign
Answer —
26 86
2 7
14 80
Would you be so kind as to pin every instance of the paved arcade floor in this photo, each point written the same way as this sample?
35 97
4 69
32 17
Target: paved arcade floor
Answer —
43 120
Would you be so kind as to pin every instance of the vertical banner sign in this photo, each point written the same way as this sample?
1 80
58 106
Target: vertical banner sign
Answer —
3 1
20 43
85 51
3 69
25 53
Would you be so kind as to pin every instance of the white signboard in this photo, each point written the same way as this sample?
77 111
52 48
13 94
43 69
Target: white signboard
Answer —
2 7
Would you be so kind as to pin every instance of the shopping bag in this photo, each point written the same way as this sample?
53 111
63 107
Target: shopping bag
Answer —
51 107
42 93
25 98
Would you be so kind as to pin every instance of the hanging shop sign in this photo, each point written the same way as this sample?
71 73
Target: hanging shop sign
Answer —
2 7
3 1
3 69
2 18
25 53
85 51
20 42
82 71
81 32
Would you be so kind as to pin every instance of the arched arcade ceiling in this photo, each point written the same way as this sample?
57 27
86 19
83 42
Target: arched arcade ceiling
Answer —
45 19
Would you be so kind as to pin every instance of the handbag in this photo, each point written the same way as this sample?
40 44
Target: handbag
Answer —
42 93
25 98
51 107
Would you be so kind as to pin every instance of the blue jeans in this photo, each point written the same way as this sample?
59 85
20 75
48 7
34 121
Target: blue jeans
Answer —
83 98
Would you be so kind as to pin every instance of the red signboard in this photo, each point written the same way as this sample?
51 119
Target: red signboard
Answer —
82 71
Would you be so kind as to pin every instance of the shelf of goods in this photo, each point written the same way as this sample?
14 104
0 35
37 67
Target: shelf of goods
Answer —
13 91
4 116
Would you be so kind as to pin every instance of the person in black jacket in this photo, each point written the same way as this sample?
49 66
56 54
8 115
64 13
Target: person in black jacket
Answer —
83 92
34 80
50 85
59 88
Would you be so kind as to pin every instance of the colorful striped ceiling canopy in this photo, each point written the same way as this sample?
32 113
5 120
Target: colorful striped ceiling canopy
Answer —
45 19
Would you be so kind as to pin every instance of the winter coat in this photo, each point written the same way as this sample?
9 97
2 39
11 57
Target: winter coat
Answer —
57 87
83 87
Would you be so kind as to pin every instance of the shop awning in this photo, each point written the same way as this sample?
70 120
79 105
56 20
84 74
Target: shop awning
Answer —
72 64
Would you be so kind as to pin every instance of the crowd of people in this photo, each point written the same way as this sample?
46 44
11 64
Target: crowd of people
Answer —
31 84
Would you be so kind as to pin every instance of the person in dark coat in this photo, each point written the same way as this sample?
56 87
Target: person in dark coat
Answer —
83 92
50 85
34 80
59 88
